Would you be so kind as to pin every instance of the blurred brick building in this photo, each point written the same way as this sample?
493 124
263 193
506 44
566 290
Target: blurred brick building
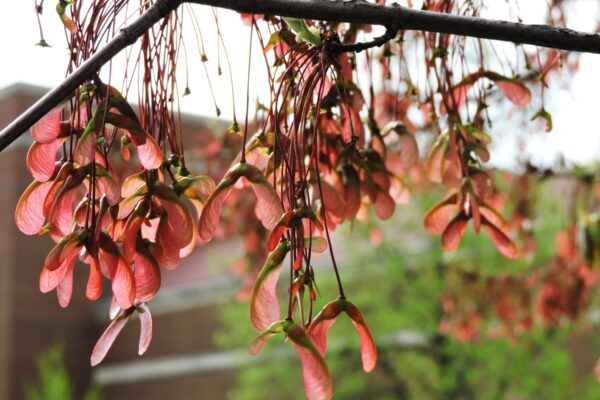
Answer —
181 363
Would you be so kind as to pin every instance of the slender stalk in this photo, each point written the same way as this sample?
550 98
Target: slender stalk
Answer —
243 157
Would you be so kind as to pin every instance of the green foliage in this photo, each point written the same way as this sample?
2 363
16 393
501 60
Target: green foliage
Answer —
397 287
53 382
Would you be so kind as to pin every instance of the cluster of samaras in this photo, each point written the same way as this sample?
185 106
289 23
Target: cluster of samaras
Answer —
477 303
324 171
125 231
514 303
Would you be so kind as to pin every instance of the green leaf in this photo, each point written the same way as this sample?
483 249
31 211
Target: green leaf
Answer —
542 113
439 52
275 328
479 134
264 306
67 22
303 32
235 128
42 43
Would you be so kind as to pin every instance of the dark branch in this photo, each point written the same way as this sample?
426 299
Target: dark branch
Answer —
362 12
86 71
328 10
390 33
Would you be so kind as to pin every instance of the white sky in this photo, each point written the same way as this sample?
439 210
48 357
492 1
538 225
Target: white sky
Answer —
575 111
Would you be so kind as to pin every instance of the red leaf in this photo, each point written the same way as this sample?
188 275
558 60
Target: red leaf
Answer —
334 204
85 151
74 244
317 244
345 66
247 18
178 226
60 217
318 384
514 90
108 255
165 252
399 191
68 23
41 159
351 192
457 98
57 185
264 306
131 231
94 283
319 327
147 274
384 205
279 231
107 185
108 338
289 219
299 254
187 250
494 218
146 328
47 129
150 228
126 206
198 189
125 152
409 154
451 169
453 233
501 240
368 349
150 153
64 290
268 203
49 280
29 215
381 179
80 214
133 184
209 218
123 285
269 207
437 218
369 187
482 184
352 125
435 160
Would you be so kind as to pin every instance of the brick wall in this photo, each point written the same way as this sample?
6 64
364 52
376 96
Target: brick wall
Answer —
30 322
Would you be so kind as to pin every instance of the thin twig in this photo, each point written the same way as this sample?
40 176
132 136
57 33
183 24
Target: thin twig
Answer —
390 34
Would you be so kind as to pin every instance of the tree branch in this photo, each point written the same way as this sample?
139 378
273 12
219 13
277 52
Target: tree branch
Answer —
126 37
356 11
359 11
